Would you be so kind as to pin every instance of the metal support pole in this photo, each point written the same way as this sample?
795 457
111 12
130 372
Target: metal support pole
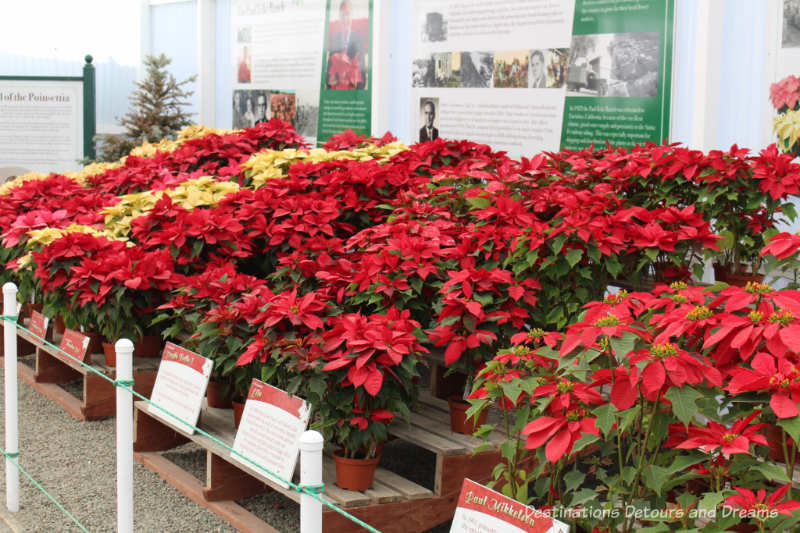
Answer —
12 414
89 122
124 349
311 444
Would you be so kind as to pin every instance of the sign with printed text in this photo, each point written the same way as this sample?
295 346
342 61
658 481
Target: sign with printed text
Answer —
530 76
270 430
180 387
75 344
484 510
38 325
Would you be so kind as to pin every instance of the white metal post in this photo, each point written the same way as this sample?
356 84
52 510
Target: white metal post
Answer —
311 444
124 349
12 419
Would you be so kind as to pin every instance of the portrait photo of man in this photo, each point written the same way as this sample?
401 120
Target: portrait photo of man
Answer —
261 108
536 74
348 47
428 131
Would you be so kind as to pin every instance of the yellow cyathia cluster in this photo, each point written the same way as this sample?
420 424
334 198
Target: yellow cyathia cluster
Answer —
272 164
200 192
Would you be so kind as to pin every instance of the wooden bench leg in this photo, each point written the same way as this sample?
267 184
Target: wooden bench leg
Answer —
99 397
227 482
24 347
150 435
51 370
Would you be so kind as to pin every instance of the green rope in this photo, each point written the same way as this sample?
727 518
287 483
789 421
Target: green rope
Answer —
10 318
312 490
63 509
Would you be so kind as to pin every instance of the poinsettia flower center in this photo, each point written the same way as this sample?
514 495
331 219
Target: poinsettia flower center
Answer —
781 317
604 343
730 437
700 312
541 380
678 285
607 321
294 309
565 386
753 287
663 350
536 333
575 414
521 350
679 298
779 380
756 316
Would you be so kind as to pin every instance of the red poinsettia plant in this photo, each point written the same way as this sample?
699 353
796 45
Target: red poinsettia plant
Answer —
675 398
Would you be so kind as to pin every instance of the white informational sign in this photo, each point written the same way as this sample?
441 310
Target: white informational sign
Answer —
527 76
277 61
180 387
270 430
456 52
483 510
41 125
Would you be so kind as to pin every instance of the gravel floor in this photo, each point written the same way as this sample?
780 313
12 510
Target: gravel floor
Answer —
75 461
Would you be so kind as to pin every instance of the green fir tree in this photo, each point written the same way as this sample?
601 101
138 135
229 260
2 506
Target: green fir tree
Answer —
157 110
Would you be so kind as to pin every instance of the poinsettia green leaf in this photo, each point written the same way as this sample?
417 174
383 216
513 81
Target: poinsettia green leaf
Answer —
573 257
623 345
771 472
585 440
683 402
605 417
791 426
655 477
573 480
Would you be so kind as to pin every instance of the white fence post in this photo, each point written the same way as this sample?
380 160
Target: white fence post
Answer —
12 418
124 349
311 444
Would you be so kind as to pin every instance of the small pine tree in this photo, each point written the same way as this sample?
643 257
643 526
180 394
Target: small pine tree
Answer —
157 111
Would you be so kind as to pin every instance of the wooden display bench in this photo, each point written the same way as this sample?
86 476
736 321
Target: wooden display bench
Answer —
98 399
394 504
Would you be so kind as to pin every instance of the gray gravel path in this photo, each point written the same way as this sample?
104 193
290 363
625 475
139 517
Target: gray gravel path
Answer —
75 461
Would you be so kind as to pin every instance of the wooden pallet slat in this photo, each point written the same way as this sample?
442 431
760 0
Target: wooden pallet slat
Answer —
426 440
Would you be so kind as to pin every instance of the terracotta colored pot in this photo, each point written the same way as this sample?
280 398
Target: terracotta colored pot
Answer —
148 346
95 343
111 354
238 409
215 397
458 416
58 325
738 279
354 474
